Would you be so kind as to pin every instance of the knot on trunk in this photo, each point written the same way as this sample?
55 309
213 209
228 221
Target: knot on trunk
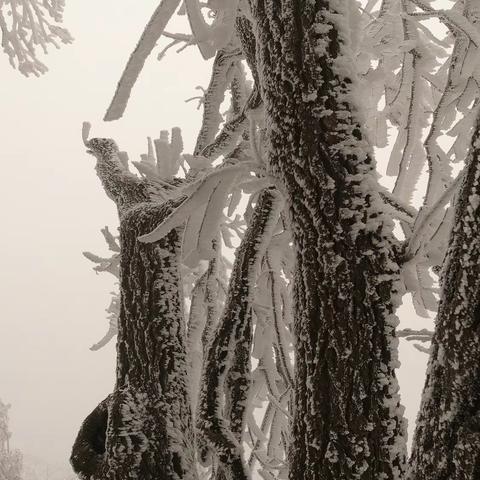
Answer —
89 448
124 437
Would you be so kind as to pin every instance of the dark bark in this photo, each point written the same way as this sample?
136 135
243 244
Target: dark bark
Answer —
200 332
223 62
226 371
237 389
244 30
233 129
211 299
144 429
447 437
347 419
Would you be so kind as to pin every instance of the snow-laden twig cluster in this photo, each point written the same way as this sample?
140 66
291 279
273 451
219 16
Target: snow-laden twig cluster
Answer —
28 27
424 89
112 266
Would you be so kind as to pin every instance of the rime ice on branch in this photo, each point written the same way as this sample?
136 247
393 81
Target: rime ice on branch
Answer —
29 25
112 266
447 436
224 391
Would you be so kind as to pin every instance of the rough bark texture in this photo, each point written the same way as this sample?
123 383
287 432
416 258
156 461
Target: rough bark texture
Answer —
347 417
226 371
144 429
447 438
232 130
214 95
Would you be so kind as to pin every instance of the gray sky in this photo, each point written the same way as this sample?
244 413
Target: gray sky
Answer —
52 303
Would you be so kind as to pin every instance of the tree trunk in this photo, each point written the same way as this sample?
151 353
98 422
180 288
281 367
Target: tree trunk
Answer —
144 429
447 437
347 419
226 371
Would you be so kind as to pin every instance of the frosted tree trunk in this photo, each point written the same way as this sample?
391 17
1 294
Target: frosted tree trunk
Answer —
144 428
347 419
447 438
226 373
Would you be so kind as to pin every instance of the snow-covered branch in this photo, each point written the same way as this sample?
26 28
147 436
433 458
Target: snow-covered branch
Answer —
153 31
231 338
424 217
222 73
112 266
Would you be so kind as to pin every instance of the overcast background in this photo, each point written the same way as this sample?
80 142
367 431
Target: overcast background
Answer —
52 208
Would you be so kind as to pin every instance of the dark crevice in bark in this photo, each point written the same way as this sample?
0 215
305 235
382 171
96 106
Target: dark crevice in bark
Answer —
89 446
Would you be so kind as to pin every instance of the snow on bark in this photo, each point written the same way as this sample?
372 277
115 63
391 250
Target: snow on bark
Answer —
222 72
447 437
211 297
234 127
203 317
347 418
196 324
144 428
153 31
226 372
281 343
211 190
238 90
227 138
